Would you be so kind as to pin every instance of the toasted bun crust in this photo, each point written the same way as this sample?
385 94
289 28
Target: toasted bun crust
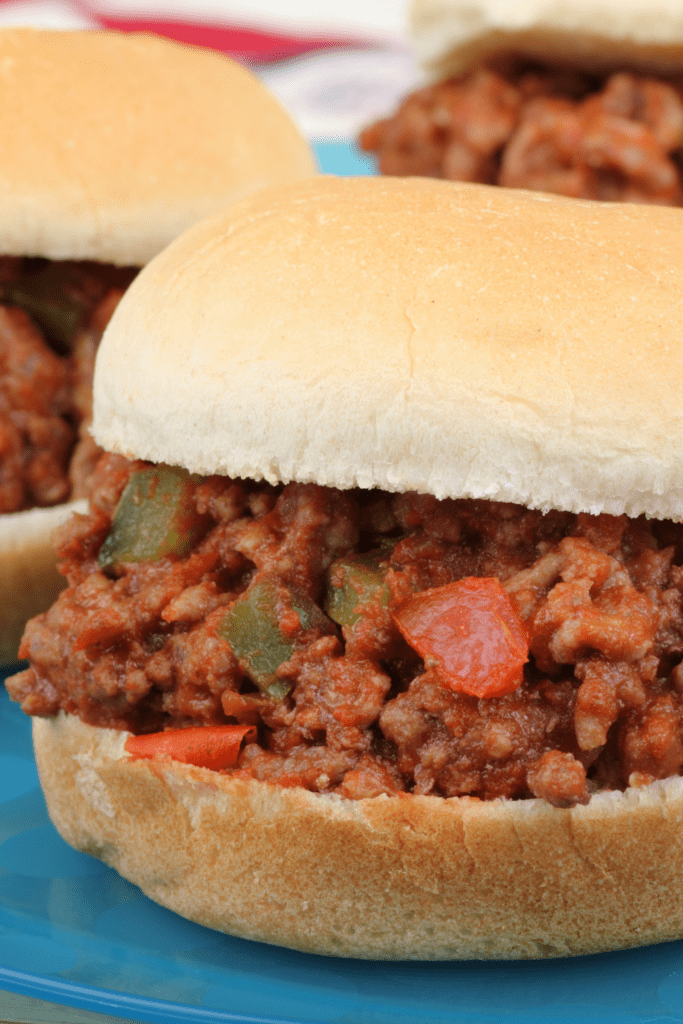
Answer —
404 877
29 581
112 144
451 36
454 339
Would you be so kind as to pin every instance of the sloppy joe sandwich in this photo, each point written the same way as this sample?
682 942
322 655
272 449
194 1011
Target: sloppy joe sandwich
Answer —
582 99
377 609
112 145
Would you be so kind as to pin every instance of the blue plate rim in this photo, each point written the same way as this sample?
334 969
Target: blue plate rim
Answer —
89 997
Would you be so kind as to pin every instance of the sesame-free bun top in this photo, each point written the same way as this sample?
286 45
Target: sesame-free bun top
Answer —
451 36
113 144
410 334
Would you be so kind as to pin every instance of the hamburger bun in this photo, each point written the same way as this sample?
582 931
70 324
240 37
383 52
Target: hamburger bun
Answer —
450 36
421 335
114 144
395 878
460 341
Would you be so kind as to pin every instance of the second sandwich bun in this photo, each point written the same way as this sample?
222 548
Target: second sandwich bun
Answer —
580 99
113 144
451 36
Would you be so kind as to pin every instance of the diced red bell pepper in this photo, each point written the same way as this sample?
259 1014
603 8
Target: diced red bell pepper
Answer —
470 633
208 746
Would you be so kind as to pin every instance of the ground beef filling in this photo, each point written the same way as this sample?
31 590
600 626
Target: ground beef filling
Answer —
353 709
52 315
616 138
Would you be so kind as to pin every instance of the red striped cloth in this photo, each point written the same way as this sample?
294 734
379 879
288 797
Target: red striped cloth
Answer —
251 46
275 34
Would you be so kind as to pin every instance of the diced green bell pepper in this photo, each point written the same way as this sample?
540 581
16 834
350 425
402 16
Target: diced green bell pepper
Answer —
252 629
45 295
155 517
362 580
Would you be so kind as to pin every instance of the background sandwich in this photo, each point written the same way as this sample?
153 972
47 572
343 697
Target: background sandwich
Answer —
583 99
387 627
112 145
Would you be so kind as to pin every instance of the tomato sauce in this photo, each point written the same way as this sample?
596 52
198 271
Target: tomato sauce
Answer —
373 643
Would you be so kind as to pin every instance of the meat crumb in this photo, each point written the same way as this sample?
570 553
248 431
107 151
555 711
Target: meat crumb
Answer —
558 778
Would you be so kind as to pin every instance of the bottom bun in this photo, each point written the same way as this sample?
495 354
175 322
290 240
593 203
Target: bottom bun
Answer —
29 581
402 877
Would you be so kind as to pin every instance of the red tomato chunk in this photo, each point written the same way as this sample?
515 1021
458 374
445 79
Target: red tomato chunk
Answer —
214 747
470 633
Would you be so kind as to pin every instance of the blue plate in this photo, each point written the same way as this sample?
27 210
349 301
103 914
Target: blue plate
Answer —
73 931
342 157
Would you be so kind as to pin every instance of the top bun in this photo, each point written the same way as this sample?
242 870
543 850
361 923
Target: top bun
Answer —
113 144
411 334
595 35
